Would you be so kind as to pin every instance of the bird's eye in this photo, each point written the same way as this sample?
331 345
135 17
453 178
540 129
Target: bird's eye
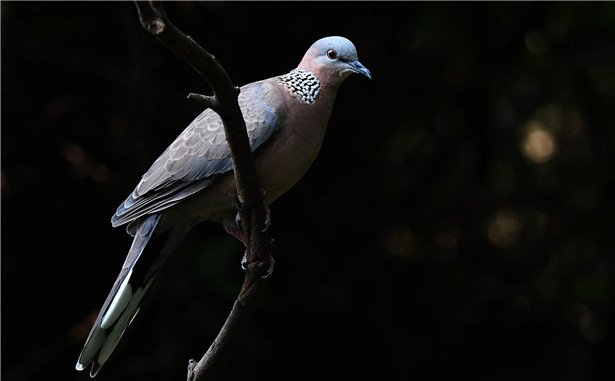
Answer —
332 54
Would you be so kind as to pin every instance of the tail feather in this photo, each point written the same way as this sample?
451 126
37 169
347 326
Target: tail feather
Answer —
122 304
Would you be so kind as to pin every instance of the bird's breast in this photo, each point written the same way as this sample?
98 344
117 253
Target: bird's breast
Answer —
292 150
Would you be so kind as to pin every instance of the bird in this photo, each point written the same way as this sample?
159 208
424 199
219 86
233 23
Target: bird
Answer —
192 180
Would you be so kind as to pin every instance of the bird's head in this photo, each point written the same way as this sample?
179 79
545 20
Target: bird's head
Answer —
333 58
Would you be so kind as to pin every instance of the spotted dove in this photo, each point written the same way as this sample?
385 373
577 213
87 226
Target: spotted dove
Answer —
286 117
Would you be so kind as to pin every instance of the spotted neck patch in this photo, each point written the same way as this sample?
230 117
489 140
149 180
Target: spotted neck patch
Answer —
302 85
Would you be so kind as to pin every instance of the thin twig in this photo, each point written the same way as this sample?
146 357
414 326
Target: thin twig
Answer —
205 100
224 102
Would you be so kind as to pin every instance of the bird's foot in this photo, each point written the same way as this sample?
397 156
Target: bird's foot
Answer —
244 262
244 266
241 206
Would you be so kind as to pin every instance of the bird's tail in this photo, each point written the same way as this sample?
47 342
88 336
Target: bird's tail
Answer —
123 301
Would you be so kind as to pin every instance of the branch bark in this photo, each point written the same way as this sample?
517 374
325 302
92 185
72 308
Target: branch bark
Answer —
252 208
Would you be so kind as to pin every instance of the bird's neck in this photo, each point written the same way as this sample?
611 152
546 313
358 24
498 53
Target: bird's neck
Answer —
302 84
307 87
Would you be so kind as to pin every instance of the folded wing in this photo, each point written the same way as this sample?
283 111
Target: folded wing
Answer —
200 153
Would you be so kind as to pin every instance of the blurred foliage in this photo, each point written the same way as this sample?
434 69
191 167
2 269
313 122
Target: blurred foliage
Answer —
457 223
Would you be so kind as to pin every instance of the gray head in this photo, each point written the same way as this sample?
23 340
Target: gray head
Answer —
333 58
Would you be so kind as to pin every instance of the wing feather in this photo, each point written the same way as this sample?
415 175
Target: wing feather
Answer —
201 152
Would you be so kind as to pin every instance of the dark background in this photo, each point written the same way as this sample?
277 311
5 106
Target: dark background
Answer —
457 224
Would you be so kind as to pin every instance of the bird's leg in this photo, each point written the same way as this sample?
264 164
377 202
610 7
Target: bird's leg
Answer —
237 228
267 212
236 231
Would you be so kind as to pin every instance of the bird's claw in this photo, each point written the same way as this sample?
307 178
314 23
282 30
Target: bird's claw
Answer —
270 269
241 206
244 262
267 218
238 220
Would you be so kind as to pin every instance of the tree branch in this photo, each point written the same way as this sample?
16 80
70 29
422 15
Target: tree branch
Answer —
252 211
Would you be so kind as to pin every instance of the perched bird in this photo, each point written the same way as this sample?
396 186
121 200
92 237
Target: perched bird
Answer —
192 181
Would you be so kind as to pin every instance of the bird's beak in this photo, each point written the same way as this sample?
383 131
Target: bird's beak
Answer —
358 67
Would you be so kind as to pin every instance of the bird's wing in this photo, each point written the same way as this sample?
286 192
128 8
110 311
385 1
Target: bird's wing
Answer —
200 153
